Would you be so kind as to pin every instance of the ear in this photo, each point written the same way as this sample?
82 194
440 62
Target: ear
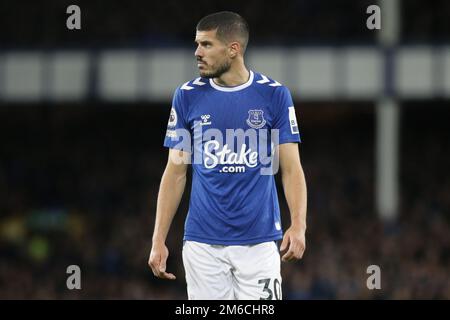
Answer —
234 49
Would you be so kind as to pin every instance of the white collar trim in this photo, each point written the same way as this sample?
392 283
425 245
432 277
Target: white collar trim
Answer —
231 89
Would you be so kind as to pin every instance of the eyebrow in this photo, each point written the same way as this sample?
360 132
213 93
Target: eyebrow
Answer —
203 42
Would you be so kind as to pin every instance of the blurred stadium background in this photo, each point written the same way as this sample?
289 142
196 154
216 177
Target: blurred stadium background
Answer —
83 116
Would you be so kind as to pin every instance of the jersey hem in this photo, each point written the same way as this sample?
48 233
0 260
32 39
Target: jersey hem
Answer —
233 242
289 141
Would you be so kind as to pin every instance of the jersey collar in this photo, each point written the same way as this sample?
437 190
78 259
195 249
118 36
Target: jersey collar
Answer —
235 88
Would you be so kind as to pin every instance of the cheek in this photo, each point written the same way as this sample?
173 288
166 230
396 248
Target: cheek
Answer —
218 53
219 57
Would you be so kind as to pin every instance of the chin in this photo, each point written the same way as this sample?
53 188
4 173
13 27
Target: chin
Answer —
205 74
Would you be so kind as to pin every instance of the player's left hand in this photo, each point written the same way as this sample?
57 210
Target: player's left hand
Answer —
295 243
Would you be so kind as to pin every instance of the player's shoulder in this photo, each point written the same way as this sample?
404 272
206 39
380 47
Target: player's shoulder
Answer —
268 85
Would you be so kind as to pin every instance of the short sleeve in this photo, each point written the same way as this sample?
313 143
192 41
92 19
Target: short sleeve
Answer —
178 132
285 119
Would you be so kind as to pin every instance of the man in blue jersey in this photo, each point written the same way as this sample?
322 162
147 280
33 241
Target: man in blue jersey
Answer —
234 126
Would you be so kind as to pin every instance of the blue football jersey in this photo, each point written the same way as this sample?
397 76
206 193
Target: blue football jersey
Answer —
231 133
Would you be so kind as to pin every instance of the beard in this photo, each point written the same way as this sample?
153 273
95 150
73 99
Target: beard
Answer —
219 70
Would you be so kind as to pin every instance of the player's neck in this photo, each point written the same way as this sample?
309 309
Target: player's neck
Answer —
234 77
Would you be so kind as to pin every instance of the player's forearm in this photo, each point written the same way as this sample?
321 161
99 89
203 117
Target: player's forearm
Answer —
294 185
170 193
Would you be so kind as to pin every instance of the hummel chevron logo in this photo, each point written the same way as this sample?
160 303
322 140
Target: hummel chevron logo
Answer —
198 82
275 84
186 87
266 80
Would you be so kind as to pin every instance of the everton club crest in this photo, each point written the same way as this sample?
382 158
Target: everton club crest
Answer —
256 119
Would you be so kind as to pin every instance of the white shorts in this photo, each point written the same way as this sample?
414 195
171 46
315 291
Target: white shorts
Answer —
247 272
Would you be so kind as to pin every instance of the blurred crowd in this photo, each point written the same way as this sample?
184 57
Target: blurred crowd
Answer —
79 183
148 23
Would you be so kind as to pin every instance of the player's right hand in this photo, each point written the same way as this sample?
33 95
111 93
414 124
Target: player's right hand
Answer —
157 261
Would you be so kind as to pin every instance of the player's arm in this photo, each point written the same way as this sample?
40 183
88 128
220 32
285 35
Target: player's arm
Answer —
170 192
294 186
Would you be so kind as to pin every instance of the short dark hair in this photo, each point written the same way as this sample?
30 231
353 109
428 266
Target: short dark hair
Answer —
229 26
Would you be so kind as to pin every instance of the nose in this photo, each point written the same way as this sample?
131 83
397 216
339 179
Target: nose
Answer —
198 52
